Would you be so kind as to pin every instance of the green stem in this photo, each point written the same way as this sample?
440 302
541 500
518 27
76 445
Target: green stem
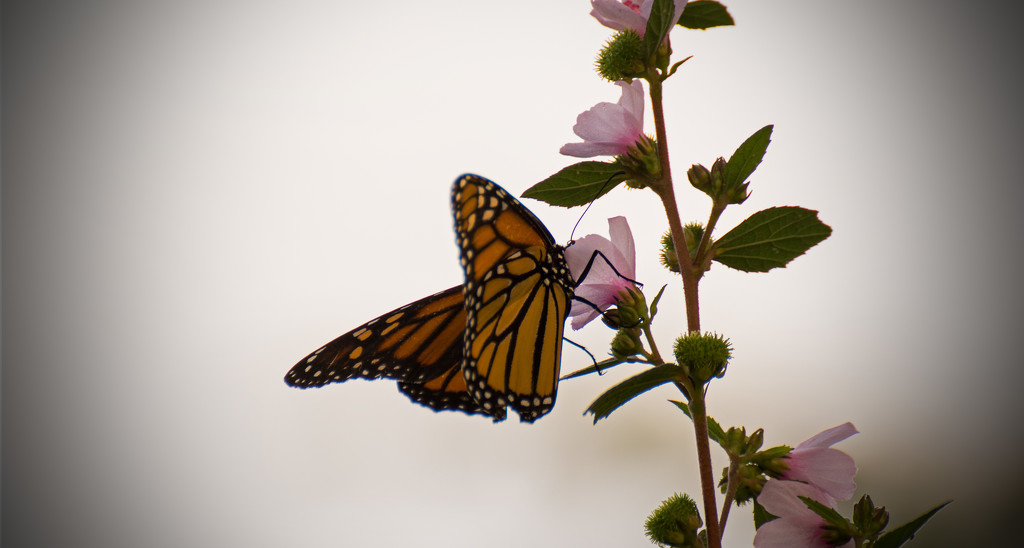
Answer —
664 189
730 494
691 277
691 274
699 414
655 356
705 240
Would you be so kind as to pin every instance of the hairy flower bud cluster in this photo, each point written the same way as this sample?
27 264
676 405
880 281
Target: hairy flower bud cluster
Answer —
622 57
703 356
675 522
693 233
641 162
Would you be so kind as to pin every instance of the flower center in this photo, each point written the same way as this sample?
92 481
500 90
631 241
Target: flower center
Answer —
632 5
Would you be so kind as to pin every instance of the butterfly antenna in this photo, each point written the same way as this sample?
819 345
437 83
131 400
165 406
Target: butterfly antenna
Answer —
600 192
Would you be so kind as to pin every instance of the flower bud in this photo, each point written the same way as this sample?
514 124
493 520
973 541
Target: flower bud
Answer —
622 57
675 522
668 253
693 233
868 519
735 441
626 344
718 173
703 356
750 480
755 441
700 178
739 194
641 162
773 460
712 182
632 307
611 318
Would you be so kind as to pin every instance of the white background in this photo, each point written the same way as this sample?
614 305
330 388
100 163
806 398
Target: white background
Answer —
197 194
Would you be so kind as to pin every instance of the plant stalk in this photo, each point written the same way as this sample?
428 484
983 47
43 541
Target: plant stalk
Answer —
664 189
730 494
699 414
691 274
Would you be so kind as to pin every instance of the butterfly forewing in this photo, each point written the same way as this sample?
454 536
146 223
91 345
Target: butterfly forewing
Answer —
517 293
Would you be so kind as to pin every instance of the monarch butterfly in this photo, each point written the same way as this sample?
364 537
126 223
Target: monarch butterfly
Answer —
493 342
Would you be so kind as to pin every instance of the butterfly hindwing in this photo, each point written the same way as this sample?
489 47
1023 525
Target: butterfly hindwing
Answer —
446 391
517 294
419 344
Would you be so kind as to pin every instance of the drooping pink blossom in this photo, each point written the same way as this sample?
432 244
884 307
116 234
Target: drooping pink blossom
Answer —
796 526
628 14
815 462
609 129
601 284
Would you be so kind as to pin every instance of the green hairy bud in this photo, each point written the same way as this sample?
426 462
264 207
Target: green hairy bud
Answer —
675 522
622 57
703 355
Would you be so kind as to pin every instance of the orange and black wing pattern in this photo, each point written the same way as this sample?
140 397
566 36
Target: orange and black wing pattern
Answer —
419 344
492 343
518 291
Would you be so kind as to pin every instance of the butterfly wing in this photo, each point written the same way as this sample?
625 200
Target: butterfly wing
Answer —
517 295
419 344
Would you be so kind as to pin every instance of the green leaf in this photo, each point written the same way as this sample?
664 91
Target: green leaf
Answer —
715 430
761 516
632 387
827 513
705 14
654 303
770 238
578 184
900 535
658 25
747 157
683 407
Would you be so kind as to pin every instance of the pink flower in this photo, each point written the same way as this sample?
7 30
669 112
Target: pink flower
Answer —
816 463
628 14
797 526
609 129
601 285
815 471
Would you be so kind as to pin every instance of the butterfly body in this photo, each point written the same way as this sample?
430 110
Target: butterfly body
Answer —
492 343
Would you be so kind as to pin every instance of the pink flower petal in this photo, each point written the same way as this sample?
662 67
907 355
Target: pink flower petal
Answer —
632 14
830 469
589 150
829 437
579 253
632 100
815 462
601 284
797 525
622 238
617 16
779 498
785 533
619 251
609 129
